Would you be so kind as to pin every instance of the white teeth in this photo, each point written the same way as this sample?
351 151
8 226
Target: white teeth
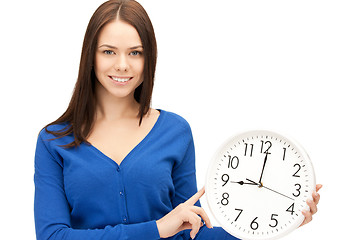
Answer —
120 79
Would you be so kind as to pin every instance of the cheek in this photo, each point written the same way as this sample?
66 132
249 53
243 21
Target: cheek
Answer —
140 71
139 66
101 65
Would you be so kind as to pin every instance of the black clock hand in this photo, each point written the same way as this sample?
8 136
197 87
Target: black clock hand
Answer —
241 183
254 183
261 175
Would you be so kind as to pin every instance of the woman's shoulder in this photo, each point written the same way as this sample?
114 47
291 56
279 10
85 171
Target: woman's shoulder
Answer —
176 127
174 119
48 132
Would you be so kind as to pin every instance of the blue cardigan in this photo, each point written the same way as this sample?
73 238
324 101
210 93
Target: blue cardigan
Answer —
81 194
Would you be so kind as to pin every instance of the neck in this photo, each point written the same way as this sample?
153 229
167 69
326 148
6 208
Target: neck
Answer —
111 108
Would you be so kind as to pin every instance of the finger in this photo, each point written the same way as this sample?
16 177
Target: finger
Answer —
184 226
312 206
316 198
192 200
200 211
307 217
187 225
318 187
195 221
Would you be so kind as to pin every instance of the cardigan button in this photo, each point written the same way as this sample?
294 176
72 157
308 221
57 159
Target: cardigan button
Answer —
121 193
125 219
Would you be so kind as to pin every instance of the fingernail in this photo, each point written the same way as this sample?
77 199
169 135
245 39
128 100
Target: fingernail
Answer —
315 194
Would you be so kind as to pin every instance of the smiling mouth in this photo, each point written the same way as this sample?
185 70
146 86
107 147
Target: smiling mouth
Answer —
120 79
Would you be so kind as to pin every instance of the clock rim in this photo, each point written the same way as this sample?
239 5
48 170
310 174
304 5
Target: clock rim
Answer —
300 219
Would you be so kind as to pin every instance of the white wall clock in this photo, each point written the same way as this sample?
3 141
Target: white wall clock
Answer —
257 185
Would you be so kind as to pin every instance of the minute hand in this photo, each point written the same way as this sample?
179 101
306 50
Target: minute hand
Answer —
260 185
261 175
278 193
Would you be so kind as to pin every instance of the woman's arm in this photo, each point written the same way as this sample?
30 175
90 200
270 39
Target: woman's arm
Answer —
52 210
187 212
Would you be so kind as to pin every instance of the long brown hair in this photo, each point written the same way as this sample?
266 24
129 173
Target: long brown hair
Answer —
80 113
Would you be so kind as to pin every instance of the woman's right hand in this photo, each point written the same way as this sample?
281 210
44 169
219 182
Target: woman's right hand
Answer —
184 216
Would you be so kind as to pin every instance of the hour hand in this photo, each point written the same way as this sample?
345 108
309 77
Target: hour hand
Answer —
252 182
242 183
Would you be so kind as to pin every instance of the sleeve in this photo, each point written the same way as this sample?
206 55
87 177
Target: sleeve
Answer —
184 173
52 211
184 177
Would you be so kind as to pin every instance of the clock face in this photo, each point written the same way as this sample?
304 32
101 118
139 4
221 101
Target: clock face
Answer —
257 185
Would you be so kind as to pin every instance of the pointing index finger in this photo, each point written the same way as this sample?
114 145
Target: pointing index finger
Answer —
192 200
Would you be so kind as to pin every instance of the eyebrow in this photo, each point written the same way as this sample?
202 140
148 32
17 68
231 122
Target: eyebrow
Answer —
113 47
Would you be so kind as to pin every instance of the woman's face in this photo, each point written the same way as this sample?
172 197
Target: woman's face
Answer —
119 59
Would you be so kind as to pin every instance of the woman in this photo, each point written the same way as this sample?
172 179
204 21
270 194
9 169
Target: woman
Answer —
111 167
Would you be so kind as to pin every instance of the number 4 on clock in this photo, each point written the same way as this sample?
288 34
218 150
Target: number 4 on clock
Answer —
291 208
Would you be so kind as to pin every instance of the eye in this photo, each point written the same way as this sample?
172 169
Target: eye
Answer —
136 53
108 52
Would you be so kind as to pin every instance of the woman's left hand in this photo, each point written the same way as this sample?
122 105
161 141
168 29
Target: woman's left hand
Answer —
312 206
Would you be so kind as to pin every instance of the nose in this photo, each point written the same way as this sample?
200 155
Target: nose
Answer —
121 64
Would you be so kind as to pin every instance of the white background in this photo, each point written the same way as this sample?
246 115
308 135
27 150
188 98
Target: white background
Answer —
225 66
